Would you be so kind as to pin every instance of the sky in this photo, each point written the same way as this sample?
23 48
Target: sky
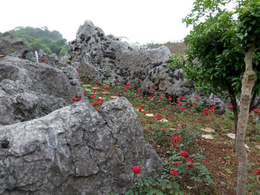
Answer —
140 21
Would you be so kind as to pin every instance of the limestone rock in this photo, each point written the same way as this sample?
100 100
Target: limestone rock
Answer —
76 150
107 59
29 90
231 135
10 45
114 97
209 130
207 136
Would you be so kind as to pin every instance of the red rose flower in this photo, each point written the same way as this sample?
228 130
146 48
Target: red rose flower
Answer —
184 154
125 89
159 118
153 90
43 60
136 96
162 129
170 99
84 92
196 97
176 164
181 97
180 103
142 106
116 81
95 104
92 97
230 106
176 139
136 169
189 163
182 109
96 80
174 173
106 87
138 90
256 111
205 161
254 122
183 126
258 172
175 145
100 103
160 97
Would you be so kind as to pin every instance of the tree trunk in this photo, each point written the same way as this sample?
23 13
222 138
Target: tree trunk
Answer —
234 104
247 86
231 91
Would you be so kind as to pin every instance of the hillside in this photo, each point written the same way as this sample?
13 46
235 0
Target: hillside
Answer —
42 38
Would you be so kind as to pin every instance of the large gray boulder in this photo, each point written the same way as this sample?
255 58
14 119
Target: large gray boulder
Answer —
10 45
76 150
29 90
106 58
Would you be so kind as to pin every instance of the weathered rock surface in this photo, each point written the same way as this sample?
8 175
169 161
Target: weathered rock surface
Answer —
76 150
106 58
12 45
29 90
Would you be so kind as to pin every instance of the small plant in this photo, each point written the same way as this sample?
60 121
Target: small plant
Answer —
176 61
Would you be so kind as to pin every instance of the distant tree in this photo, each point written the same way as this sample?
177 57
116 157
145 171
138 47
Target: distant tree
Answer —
46 49
41 38
64 50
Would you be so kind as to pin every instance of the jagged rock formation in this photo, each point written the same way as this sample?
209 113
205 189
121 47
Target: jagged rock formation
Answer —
12 45
107 58
76 150
29 90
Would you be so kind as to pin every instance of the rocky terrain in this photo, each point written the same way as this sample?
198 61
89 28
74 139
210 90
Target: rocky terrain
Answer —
29 90
106 58
76 150
9 45
50 146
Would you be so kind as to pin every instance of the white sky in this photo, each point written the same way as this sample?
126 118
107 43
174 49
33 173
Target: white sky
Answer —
141 21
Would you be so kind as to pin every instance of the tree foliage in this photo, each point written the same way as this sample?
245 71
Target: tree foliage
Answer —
41 38
215 57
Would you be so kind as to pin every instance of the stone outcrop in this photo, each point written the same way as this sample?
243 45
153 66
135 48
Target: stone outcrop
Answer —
10 45
29 90
106 58
76 150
